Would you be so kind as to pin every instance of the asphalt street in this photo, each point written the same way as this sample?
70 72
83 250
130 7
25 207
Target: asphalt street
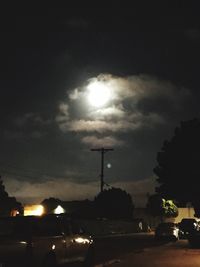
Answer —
142 250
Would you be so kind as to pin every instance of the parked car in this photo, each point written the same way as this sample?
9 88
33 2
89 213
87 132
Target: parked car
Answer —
188 226
167 230
43 241
194 239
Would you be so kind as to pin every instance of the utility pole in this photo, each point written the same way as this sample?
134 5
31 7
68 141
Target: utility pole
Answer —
103 151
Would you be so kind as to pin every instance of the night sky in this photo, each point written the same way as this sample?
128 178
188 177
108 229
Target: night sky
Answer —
147 57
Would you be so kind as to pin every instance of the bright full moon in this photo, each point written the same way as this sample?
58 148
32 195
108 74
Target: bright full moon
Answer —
98 94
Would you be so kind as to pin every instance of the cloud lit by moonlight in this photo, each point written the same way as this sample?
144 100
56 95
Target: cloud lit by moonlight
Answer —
107 106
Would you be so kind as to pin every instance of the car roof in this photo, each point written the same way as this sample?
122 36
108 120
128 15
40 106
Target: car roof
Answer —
188 220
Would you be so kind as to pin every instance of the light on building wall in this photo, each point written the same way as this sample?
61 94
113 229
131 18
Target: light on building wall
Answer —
59 210
36 210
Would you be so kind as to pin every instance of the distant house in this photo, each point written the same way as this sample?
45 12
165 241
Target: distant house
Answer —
187 212
183 212
78 208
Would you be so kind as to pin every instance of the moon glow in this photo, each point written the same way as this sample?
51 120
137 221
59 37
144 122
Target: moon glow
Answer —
98 94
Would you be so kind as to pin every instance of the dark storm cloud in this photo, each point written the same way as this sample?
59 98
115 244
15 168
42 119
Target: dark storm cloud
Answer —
77 24
193 34
107 141
29 125
32 119
20 135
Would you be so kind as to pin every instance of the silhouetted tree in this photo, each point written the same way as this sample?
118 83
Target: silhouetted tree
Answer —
114 203
3 193
154 205
158 206
8 204
50 204
178 168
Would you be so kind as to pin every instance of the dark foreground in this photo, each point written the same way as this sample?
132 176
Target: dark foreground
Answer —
142 250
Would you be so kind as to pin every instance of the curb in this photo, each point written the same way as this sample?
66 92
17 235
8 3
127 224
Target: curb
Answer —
107 263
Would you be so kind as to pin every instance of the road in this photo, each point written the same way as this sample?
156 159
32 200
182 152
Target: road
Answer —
141 250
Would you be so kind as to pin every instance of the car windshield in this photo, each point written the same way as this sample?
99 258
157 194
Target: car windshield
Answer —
46 227
6 227
35 225
12 226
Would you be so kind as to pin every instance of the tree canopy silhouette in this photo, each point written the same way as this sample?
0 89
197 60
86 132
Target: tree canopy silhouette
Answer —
7 204
114 203
158 206
50 204
178 168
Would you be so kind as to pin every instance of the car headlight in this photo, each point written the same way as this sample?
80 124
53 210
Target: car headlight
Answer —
81 240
